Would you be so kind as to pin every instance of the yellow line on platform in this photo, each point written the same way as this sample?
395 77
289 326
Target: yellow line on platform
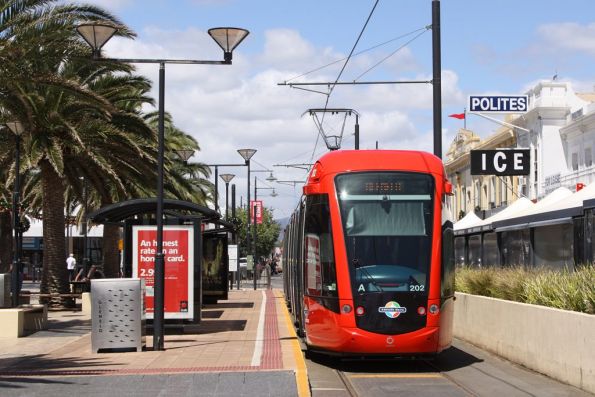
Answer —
396 376
301 372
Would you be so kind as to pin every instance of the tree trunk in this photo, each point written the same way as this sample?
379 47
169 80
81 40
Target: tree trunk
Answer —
111 236
55 275
5 241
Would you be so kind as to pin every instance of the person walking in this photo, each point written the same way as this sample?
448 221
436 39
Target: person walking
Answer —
71 266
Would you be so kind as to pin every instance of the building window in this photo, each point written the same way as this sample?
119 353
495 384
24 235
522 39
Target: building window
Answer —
588 157
574 161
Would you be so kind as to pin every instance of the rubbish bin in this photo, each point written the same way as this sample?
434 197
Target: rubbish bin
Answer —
117 314
5 300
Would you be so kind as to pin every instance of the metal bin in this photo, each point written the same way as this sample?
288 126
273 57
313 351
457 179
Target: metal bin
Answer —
117 314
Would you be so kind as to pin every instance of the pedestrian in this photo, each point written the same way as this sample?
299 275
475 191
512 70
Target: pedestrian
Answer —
71 266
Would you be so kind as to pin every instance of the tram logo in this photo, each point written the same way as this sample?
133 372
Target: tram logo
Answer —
392 309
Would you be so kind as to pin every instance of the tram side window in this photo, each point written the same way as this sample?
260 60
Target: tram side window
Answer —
321 277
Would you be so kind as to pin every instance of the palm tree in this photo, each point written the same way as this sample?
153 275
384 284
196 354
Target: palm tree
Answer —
37 38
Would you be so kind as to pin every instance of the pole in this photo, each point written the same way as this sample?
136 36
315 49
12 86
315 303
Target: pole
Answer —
216 189
85 227
234 235
248 218
436 79
158 317
226 201
356 132
253 209
15 274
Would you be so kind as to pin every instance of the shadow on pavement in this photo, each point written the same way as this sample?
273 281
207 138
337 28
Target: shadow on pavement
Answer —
41 364
449 359
22 383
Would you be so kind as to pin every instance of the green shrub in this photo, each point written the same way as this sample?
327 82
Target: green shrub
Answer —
569 290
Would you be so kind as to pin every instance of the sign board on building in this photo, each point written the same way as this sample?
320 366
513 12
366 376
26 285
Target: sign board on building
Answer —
178 250
256 211
498 103
500 162
232 256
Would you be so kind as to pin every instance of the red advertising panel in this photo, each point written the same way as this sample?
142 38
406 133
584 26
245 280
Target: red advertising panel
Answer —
256 211
178 250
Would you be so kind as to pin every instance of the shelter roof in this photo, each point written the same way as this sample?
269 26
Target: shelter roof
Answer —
127 209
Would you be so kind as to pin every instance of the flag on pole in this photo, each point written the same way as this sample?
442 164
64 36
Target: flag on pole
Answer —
460 116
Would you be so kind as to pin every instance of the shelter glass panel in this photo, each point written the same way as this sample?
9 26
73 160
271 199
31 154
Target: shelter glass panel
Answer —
491 253
475 250
554 246
516 247
460 251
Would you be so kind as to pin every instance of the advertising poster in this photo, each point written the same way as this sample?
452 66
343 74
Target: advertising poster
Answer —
313 264
232 255
214 267
178 249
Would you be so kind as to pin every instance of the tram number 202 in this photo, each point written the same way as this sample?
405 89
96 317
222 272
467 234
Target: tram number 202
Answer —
417 288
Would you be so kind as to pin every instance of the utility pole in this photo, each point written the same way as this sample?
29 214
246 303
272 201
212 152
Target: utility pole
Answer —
436 79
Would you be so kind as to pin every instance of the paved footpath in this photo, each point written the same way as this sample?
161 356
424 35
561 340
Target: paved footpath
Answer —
244 346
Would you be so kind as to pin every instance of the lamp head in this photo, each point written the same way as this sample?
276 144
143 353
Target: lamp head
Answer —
247 154
271 178
96 35
228 39
227 177
16 127
185 154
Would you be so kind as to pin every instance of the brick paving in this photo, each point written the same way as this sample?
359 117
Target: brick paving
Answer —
223 342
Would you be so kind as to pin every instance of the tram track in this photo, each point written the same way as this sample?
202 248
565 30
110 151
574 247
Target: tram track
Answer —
421 378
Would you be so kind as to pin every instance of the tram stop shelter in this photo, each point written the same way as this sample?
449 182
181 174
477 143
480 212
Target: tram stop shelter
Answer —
195 248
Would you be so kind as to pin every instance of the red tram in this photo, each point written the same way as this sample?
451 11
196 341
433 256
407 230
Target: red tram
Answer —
368 255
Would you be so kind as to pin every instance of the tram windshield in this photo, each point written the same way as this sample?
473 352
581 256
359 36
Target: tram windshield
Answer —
387 224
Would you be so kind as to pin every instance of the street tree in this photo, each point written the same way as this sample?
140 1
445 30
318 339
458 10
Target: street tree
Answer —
267 233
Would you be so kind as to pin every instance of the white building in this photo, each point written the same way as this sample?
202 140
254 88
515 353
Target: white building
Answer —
561 136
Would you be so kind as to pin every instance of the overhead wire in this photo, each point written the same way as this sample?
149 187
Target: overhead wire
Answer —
330 91
356 54
394 52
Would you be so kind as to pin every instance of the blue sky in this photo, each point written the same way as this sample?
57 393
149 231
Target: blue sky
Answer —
500 46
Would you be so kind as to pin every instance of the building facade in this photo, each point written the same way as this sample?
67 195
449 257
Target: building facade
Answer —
559 130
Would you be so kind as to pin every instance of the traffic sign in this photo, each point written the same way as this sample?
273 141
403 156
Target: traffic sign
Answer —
498 103
500 162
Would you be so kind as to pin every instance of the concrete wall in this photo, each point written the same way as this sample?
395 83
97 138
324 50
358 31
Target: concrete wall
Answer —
557 343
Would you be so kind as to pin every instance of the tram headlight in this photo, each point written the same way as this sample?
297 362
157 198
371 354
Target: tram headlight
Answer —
421 311
434 309
360 311
346 309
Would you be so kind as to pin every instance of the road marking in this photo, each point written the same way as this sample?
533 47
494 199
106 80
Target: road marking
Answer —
301 372
258 346
397 376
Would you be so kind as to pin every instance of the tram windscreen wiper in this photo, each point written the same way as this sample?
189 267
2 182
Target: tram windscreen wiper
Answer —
365 272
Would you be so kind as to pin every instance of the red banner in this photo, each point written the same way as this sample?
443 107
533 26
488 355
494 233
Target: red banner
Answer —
178 249
256 211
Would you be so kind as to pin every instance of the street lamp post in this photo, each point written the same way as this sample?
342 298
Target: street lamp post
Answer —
85 229
17 129
227 178
96 35
247 155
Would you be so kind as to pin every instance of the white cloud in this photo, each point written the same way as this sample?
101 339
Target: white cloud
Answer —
569 36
